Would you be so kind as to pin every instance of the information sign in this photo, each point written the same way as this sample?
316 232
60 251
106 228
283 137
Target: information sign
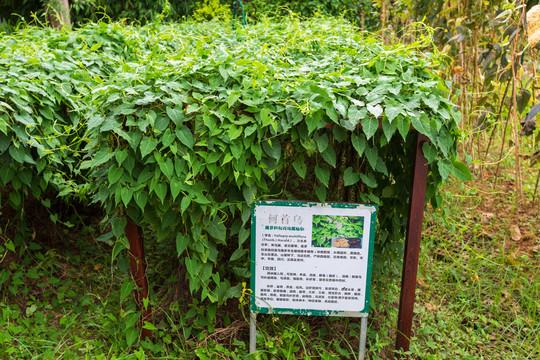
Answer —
311 259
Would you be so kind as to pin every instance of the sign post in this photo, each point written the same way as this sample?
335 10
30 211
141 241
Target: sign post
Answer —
311 259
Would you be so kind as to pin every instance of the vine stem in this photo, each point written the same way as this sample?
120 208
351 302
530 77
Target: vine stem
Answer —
536 186
499 113
519 192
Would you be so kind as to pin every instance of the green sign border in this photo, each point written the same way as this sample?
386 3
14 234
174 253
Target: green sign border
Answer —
268 310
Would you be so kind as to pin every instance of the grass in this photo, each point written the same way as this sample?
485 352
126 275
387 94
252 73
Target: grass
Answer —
478 288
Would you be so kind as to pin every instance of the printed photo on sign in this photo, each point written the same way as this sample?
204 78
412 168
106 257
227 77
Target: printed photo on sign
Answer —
337 231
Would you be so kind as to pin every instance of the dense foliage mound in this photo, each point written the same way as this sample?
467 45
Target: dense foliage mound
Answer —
182 127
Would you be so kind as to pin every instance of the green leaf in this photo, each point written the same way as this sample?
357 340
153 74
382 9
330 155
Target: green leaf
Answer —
167 167
370 126
430 152
118 226
149 326
18 154
314 120
186 200
233 97
372 156
393 109
115 173
388 129
432 101
272 148
323 174
147 145
445 142
340 133
237 254
15 198
265 118
369 180
141 198
161 190
102 156
176 187
131 318
185 136
3 126
331 112
120 156
182 242
300 167
124 109
192 108
167 138
359 143
126 288
320 190
350 177
404 126
249 192
217 230
126 195
95 121
234 131
376 110
176 115
421 124
25 176
330 156
131 335
322 142
354 117
24 118
445 167
461 171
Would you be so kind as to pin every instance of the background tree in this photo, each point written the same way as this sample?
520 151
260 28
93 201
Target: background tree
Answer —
58 13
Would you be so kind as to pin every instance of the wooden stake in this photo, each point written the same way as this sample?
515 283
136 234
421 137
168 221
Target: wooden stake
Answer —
138 272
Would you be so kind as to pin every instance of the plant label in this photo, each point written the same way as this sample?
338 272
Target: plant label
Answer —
311 258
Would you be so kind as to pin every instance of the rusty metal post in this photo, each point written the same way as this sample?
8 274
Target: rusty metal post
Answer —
137 262
412 245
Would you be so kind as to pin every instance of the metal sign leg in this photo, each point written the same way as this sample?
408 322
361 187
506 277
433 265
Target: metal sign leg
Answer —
252 332
363 335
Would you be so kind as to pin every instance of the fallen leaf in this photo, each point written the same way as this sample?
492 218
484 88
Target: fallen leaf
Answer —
511 260
516 233
421 282
487 217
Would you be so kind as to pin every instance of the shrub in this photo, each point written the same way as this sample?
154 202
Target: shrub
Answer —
182 127
211 9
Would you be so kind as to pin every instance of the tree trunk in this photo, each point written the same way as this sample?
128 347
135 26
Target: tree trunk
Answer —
58 13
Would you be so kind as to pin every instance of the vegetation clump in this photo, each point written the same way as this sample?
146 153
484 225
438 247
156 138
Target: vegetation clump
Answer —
182 127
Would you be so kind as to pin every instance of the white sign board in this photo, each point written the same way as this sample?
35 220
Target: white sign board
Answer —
311 258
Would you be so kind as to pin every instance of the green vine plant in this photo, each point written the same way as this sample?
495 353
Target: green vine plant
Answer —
182 127
326 228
